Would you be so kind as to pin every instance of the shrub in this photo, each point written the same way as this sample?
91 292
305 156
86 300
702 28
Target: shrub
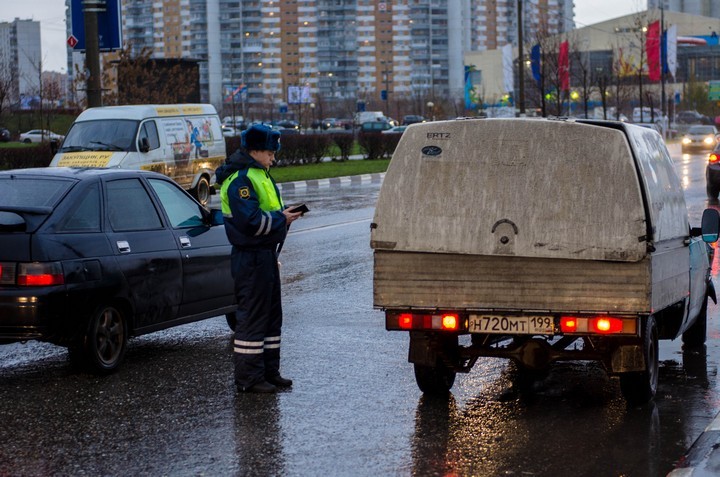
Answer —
344 142
372 144
26 157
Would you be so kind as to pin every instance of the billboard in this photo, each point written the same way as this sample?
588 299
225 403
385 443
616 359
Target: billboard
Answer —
109 25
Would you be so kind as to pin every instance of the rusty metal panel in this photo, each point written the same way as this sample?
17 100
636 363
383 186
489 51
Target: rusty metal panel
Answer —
457 281
513 188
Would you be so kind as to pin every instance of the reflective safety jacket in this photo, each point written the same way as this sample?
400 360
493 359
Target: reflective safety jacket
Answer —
251 204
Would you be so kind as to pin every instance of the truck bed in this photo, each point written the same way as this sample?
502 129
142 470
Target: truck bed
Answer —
457 281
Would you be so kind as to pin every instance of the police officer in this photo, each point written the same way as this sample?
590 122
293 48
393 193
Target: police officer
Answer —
256 223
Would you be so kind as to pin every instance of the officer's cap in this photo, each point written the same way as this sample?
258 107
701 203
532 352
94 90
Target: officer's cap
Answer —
260 137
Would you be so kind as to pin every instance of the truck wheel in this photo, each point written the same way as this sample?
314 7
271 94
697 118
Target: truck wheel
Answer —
202 191
436 381
639 388
696 335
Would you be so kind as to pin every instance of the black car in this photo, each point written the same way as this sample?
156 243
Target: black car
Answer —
4 134
91 257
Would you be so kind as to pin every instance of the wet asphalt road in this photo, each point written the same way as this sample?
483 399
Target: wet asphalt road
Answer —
354 409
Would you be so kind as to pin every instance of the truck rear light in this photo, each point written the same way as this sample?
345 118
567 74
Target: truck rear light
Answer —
40 274
598 325
423 321
606 325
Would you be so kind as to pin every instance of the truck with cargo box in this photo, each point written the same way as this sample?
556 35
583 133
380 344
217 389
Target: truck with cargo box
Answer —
541 240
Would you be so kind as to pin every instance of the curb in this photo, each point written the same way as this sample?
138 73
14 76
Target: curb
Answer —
701 460
330 182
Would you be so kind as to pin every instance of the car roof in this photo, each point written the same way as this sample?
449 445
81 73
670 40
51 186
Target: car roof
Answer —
80 173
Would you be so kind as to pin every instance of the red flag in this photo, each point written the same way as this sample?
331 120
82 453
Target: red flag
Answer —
652 46
564 66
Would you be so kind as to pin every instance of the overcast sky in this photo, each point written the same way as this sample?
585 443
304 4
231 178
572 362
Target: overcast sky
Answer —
51 15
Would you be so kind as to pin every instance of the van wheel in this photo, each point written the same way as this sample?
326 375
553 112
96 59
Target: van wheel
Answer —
696 335
105 341
434 380
639 388
202 191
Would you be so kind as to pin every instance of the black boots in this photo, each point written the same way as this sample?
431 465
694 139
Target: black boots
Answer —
279 381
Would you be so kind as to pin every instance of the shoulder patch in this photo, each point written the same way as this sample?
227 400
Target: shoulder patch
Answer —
244 192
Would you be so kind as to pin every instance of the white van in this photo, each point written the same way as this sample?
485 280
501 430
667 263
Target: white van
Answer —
182 141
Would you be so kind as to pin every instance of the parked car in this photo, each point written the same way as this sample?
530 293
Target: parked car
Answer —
691 117
91 257
4 134
412 119
288 124
39 135
328 123
699 138
228 131
395 130
375 126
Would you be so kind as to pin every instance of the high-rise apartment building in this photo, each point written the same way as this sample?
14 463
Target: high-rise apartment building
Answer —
333 53
20 58
705 8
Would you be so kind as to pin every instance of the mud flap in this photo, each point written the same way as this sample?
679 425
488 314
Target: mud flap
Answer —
421 350
627 358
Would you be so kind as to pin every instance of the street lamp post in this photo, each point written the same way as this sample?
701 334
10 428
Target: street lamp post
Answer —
431 107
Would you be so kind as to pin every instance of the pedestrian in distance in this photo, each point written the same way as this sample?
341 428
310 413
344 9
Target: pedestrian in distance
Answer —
256 223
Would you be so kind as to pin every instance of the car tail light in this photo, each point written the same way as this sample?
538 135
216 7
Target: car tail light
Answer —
603 325
713 158
424 321
40 274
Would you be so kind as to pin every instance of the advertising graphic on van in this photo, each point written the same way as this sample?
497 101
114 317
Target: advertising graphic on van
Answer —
184 142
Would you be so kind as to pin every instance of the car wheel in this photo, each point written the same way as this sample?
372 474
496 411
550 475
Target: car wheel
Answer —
696 335
202 191
639 388
27 141
105 341
231 320
712 191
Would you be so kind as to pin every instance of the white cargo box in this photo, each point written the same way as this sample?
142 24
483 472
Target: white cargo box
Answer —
530 213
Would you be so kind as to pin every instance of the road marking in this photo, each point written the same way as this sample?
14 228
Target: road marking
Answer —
326 227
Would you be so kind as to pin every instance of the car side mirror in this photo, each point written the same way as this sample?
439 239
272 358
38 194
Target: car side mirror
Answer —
144 145
710 225
215 217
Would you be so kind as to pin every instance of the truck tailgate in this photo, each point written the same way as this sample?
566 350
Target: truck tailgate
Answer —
457 281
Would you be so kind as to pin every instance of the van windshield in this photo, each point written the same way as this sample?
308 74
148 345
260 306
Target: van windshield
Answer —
103 135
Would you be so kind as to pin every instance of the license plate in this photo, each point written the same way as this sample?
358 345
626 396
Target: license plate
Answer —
512 325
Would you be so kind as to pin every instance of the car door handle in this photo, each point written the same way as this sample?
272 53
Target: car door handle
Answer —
123 246
185 242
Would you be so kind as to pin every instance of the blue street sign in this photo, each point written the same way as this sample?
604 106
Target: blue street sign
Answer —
383 94
109 26
360 106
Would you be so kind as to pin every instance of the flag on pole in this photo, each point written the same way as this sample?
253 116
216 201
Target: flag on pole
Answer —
671 50
564 66
535 59
508 74
652 47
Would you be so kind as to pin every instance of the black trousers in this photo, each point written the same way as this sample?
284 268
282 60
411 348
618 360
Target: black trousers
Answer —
259 316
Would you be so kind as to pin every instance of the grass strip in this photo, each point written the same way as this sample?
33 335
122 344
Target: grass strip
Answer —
326 170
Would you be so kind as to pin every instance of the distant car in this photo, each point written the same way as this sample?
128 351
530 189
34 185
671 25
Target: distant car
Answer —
712 173
39 135
228 131
395 130
4 134
412 119
90 257
699 138
691 117
328 123
288 124
375 126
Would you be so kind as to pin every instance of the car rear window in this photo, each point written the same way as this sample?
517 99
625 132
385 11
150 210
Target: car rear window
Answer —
32 191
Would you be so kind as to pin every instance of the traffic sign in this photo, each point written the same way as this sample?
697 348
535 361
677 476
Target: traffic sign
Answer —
109 23
72 41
